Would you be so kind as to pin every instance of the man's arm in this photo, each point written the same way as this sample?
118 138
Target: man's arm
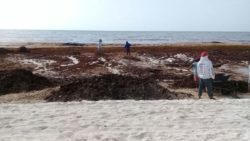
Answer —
212 74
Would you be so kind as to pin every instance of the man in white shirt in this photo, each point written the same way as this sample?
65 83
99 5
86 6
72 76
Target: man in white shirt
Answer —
99 47
206 74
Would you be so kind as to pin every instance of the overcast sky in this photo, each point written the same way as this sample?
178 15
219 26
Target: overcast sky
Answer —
132 15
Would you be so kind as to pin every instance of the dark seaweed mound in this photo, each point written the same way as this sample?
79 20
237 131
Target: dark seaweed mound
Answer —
113 87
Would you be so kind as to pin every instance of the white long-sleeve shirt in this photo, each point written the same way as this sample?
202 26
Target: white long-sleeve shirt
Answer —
205 68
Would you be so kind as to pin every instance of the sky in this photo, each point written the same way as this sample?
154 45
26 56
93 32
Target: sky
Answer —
126 15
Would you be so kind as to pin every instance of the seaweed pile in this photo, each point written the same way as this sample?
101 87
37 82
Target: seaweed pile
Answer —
114 87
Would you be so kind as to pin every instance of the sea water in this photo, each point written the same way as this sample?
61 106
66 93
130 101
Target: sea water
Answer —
117 37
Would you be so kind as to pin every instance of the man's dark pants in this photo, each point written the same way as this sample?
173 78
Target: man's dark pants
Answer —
206 83
128 51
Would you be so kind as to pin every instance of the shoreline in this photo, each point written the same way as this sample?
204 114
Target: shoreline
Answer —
75 44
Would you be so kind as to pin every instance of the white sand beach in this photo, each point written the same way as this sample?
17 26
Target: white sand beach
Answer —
116 70
177 120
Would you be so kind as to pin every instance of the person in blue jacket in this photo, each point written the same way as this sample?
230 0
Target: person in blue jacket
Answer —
127 47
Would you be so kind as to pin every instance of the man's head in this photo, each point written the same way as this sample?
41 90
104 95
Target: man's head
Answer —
204 53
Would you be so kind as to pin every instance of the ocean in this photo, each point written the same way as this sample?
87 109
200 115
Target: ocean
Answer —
119 37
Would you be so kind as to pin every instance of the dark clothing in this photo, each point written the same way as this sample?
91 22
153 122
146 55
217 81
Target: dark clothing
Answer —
206 83
127 47
128 51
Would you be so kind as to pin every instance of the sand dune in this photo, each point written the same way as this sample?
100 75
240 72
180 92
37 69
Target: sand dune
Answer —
178 120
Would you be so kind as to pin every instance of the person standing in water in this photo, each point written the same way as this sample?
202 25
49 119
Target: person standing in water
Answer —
127 47
206 74
99 47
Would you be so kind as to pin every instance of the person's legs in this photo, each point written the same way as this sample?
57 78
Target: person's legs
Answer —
196 81
129 51
100 51
209 86
201 87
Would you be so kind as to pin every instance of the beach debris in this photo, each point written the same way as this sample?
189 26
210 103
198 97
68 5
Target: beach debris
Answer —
20 80
184 57
39 63
217 52
73 44
185 82
154 61
4 51
239 69
23 49
227 86
40 66
114 87
122 62
216 42
149 60
113 70
170 60
133 58
245 62
75 53
102 59
74 61
93 63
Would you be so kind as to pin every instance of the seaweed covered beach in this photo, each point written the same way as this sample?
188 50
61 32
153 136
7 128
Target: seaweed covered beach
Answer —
69 92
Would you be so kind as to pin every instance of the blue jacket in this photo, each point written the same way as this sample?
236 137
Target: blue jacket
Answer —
127 45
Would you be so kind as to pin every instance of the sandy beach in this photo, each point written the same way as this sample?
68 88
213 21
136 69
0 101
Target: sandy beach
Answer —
58 72
190 120
134 70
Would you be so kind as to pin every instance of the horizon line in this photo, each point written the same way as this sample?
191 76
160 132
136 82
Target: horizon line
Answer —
124 30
